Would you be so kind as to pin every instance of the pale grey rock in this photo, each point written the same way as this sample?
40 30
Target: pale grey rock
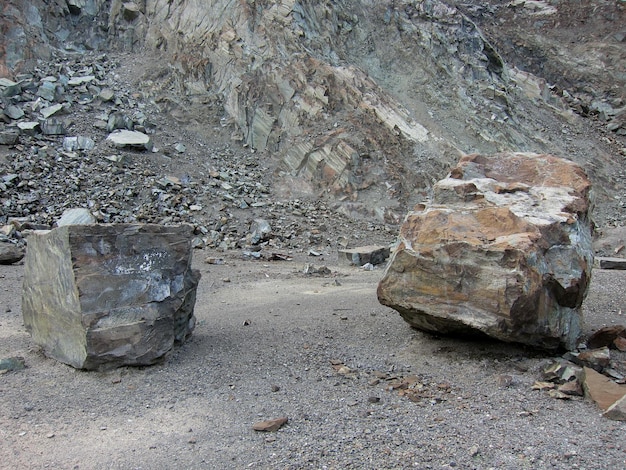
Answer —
47 91
102 296
106 94
81 80
8 137
51 110
126 138
14 112
259 231
78 143
10 253
76 216
29 127
9 88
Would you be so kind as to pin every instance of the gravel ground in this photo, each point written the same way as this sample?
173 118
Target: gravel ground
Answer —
320 350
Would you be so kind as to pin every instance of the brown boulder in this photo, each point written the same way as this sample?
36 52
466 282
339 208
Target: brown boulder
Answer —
504 249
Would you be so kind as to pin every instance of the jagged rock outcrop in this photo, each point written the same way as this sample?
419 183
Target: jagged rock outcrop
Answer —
101 296
504 249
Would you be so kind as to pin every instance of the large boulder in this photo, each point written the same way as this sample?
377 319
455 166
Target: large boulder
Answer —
102 296
504 249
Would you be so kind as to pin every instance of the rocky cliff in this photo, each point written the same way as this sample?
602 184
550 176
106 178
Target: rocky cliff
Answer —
366 103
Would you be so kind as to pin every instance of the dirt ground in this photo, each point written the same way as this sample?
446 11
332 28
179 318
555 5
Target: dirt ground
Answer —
271 342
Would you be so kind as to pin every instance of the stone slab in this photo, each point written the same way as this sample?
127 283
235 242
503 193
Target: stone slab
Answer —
611 263
359 256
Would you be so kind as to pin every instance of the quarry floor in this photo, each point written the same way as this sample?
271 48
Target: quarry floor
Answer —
273 342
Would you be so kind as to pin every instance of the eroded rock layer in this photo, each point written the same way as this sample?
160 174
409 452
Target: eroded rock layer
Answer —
504 249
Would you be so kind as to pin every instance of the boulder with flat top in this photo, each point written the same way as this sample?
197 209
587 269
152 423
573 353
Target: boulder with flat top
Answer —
104 296
503 250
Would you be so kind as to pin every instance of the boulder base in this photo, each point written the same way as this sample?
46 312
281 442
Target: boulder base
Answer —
504 249
101 296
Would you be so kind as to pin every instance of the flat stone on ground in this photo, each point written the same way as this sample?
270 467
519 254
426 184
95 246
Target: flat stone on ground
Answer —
364 254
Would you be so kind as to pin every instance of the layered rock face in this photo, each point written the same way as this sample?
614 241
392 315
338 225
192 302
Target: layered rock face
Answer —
100 296
504 249
364 103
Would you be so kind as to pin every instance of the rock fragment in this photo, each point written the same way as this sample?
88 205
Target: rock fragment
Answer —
602 390
10 253
126 138
76 216
617 411
373 254
612 263
270 425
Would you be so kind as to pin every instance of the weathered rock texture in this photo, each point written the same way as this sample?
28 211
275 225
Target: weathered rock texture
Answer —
503 249
100 296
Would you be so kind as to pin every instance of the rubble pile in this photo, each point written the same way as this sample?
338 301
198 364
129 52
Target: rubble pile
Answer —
67 131
592 371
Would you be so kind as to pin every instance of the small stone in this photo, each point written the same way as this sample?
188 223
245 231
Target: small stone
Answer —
12 363
10 253
77 81
71 144
47 91
270 425
9 88
373 399
504 380
125 138
53 127
14 112
343 370
543 385
106 94
275 388
8 137
596 358
474 451
51 110
180 148
617 411
76 216
605 337
558 395
572 388
601 389
364 254
611 263
28 127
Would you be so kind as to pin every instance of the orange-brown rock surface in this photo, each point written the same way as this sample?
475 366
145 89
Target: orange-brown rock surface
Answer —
503 249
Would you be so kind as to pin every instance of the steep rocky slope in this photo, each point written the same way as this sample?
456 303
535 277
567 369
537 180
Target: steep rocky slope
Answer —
362 104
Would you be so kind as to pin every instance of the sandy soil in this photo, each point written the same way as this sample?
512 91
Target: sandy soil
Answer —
271 342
